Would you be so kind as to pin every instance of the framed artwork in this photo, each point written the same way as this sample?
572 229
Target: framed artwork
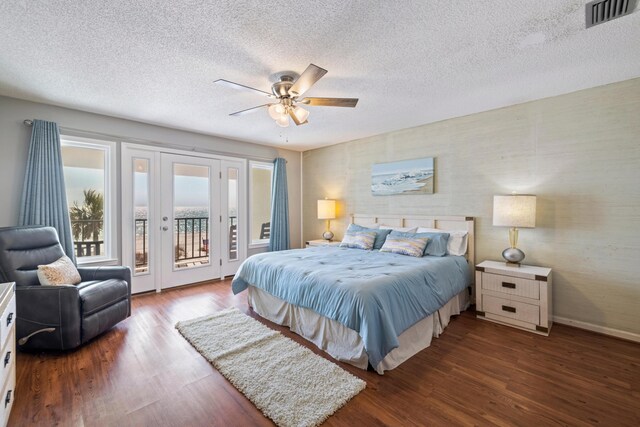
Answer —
404 177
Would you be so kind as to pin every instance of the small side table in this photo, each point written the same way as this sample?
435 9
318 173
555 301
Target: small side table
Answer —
514 296
322 242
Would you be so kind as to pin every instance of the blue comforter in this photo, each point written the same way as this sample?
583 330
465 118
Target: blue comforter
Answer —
379 295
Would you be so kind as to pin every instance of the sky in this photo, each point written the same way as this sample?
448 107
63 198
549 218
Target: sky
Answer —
78 179
189 191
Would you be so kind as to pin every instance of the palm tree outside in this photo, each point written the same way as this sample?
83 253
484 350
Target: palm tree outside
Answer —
87 221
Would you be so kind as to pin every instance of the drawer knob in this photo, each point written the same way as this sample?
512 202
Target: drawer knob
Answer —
9 319
7 399
7 357
508 308
508 285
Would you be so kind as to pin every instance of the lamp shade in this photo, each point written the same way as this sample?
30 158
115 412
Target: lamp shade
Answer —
514 211
326 209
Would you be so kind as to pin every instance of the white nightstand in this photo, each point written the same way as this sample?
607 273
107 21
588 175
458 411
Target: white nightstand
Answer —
514 296
322 242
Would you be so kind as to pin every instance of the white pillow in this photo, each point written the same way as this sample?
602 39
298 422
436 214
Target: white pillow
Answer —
457 243
371 226
59 272
402 229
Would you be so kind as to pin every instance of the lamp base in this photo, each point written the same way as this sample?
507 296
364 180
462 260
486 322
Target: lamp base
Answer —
513 256
327 235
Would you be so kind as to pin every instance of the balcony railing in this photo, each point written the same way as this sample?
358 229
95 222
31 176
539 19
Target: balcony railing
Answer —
190 237
84 242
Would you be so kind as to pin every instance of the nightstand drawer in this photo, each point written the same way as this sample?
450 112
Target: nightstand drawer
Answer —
8 359
7 396
511 285
8 318
512 309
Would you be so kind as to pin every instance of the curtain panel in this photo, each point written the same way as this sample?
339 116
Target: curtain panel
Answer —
279 238
44 200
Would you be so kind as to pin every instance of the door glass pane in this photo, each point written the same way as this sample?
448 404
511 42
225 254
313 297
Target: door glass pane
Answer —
260 202
191 215
141 214
232 215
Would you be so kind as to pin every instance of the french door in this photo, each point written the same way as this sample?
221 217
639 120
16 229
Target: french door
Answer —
183 217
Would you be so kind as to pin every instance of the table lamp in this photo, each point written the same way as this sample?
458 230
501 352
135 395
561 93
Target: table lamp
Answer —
327 210
517 210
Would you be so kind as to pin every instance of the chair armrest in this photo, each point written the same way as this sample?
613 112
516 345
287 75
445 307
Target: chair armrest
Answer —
40 307
105 273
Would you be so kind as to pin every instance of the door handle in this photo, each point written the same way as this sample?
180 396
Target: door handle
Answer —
164 218
165 228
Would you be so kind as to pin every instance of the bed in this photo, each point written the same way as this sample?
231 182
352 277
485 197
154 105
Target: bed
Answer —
363 307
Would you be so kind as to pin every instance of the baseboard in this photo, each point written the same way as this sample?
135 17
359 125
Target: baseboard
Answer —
631 336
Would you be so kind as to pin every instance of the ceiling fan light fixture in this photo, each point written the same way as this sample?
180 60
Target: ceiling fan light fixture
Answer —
301 114
283 121
276 111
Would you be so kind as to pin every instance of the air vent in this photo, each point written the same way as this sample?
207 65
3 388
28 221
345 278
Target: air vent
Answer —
600 11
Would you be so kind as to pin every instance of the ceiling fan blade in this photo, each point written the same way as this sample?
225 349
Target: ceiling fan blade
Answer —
238 86
295 119
308 78
249 110
330 102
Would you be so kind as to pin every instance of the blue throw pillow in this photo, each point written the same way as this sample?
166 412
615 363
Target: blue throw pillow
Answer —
381 235
437 244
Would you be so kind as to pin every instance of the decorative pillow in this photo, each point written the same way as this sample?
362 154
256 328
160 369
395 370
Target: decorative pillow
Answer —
437 245
412 246
60 272
380 234
401 229
358 240
457 243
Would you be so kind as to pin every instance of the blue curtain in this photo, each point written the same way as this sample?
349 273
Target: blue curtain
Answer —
279 238
44 201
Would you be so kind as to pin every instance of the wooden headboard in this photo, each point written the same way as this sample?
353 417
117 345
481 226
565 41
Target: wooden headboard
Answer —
444 223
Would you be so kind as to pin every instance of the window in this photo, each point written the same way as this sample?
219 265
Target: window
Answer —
260 201
90 188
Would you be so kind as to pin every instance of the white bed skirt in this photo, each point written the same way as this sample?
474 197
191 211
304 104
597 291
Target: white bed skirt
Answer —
345 344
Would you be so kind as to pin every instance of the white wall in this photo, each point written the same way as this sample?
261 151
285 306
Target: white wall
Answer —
579 153
14 146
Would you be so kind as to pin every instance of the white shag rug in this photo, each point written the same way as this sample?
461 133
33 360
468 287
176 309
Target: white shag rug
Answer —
285 380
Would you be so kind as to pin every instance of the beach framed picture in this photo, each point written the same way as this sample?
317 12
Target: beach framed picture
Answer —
403 177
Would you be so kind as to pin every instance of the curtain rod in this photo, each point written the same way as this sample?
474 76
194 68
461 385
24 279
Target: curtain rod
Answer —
29 122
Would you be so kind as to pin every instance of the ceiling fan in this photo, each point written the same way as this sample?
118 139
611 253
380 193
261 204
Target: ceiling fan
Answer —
287 92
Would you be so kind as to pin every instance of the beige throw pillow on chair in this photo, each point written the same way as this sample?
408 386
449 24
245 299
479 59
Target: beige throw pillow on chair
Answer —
60 272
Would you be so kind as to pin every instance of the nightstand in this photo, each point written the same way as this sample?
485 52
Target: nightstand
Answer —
514 296
322 242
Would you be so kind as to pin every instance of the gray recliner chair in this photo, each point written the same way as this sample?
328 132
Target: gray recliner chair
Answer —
59 317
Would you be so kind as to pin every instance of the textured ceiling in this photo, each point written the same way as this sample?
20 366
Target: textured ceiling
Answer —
410 62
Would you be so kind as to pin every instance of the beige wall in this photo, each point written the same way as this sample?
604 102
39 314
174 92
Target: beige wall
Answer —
14 145
579 153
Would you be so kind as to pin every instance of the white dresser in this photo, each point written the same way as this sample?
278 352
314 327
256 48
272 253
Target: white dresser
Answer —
8 345
514 296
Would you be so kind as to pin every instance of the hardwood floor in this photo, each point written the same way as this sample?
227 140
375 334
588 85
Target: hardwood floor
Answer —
143 372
